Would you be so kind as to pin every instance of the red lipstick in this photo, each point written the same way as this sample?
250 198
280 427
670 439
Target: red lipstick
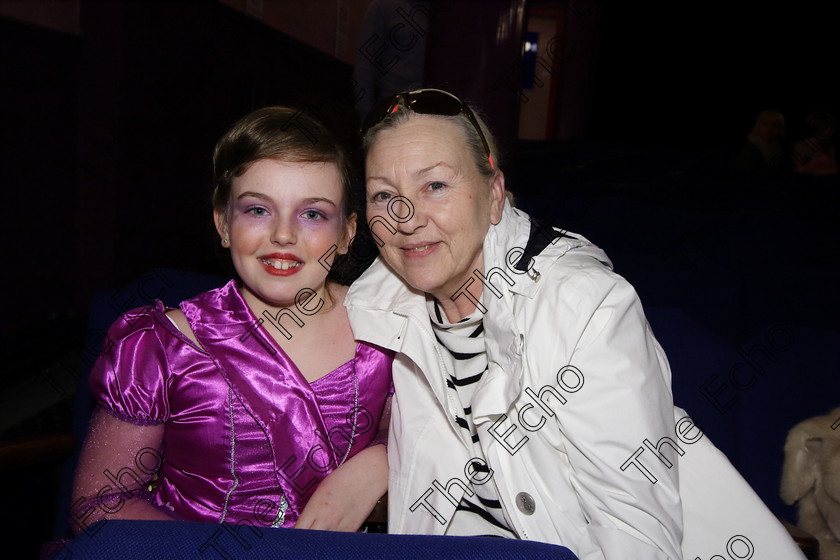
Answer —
281 264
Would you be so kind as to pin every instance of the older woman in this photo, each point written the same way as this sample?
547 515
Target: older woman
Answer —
532 400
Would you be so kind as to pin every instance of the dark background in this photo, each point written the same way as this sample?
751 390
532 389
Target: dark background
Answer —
697 75
107 136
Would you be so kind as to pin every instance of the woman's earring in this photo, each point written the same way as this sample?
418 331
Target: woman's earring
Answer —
225 242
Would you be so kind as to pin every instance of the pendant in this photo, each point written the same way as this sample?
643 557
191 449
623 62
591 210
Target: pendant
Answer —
281 511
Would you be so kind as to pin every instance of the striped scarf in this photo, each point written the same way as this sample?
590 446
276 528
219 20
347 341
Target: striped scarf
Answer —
465 358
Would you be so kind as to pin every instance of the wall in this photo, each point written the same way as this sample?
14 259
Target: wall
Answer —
58 15
331 26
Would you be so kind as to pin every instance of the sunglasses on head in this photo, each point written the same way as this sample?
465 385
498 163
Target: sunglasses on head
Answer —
425 102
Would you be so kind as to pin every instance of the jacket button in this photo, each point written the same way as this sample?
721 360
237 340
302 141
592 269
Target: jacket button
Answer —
525 503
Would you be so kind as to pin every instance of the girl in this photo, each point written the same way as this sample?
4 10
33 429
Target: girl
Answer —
252 402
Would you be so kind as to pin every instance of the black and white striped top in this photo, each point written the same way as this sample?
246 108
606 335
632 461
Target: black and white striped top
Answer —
465 359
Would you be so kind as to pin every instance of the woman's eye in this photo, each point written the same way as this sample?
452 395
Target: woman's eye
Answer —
256 211
436 185
382 197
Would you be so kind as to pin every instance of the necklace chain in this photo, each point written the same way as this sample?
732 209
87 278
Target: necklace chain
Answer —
355 416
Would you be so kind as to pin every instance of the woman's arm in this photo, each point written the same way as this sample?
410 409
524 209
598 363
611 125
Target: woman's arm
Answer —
623 397
118 461
346 497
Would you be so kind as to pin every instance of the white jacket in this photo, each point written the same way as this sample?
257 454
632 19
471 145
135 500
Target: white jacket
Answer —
575 415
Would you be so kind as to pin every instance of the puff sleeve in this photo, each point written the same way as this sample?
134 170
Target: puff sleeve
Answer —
131 380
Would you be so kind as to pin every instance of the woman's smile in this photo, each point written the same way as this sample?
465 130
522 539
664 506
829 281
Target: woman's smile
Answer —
419 250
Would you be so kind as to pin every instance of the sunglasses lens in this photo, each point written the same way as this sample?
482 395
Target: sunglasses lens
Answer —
435 103
424 102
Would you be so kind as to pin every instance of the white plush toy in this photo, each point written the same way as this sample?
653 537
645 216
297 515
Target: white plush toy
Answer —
811 478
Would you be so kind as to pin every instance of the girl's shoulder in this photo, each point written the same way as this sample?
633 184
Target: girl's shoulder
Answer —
154 326
179 320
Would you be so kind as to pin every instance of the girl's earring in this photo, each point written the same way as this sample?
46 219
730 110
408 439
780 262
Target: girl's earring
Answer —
225 242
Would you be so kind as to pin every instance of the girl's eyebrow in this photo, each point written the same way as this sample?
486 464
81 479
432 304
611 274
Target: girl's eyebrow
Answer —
319 199
253 194
263 196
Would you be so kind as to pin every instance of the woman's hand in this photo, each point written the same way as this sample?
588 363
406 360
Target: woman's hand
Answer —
346 497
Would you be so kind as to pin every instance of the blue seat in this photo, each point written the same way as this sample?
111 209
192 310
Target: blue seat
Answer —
747 395
140 540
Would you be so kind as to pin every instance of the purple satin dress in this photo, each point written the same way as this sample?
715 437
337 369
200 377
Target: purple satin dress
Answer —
246 435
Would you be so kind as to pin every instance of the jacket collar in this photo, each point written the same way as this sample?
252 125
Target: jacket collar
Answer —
380 304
